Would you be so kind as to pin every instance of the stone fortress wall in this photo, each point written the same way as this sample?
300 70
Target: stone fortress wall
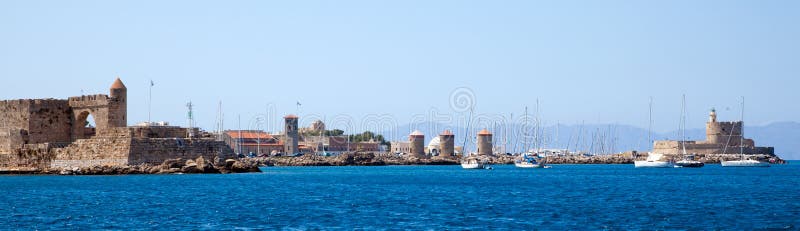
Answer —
52 133
721 138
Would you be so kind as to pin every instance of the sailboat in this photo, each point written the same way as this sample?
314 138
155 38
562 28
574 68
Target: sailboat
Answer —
743 162
474 163
525 160
653 159
687 161
469 161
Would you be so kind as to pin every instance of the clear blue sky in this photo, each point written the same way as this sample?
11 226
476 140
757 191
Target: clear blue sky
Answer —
593 61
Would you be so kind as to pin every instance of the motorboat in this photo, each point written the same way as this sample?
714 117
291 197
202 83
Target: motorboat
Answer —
653 161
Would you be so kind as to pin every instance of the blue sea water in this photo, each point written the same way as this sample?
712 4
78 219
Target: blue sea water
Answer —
566 197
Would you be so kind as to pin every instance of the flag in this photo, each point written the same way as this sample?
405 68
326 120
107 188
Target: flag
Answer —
152 83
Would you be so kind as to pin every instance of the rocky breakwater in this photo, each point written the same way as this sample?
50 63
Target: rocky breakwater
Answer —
171 166
348 159
598 159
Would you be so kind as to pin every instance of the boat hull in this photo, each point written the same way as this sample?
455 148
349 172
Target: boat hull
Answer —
471 166
652 164
528 165
689 164
744 163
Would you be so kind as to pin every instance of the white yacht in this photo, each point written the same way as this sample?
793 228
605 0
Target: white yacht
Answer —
653 161
743 162
473 163
528 162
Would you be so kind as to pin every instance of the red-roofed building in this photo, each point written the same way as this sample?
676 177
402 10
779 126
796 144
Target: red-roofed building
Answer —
250 141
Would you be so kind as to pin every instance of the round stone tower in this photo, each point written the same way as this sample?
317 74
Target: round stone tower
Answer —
118 105
712 116
484 142
713 129
446 144
417 140
290 134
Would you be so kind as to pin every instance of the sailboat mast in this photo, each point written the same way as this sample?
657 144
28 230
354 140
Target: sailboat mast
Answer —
650 125
537 140
525 128
469 121
741 135
683 124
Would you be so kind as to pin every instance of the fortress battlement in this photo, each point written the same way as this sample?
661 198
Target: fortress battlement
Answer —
101 97
43 133
721 138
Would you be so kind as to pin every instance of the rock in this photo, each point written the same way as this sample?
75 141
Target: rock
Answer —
190 168
205 166
241 167
170 171
173 163
218 162
229 163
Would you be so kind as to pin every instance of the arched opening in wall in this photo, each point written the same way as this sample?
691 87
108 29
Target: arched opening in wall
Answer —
87 125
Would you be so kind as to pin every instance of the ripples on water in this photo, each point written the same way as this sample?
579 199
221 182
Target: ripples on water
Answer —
570 197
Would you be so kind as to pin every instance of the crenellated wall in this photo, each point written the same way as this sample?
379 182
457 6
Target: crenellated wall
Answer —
157 150
41 133
102 151
137 145
721 138
724 132
39 120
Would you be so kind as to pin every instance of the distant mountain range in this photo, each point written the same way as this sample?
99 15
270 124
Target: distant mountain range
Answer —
603 138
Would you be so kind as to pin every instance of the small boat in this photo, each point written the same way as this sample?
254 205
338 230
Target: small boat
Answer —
653 161
528 162
473 163
744 163
689 162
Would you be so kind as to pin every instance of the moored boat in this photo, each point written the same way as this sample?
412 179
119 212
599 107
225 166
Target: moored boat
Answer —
527 162
653 161
473 163
744 163
689 164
